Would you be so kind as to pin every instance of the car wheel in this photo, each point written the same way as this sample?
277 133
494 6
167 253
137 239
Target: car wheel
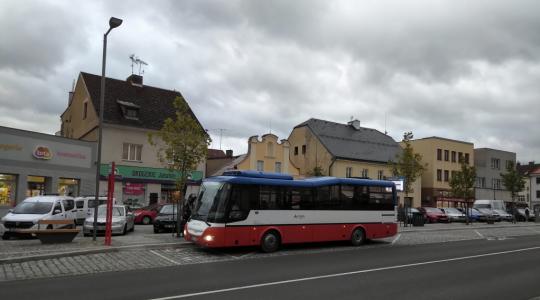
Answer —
124 231
86 234
132 228
146 220
6 236
50 226
270 242
358 237
156 230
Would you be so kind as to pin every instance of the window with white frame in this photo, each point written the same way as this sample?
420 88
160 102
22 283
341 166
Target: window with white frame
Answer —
260 165
365 173
496 184
495 163
278 167
380 174
348 172
131 152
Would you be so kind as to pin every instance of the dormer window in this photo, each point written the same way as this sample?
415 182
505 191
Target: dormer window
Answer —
129 110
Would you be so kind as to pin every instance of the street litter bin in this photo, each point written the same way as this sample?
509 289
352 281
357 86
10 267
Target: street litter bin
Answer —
418 219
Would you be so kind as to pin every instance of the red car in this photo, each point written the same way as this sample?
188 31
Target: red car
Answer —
433 215
146 215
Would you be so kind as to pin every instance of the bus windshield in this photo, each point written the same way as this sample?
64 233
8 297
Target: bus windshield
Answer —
211 202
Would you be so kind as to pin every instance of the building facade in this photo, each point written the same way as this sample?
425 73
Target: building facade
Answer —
132 111
345 150
442 157
33 164
490 163
266 154
531 192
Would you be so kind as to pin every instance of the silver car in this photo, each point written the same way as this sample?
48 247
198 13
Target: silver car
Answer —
454 215
123 220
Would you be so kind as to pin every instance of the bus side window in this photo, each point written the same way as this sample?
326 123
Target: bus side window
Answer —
243 199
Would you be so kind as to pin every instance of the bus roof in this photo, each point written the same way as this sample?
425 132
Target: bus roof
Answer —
308 182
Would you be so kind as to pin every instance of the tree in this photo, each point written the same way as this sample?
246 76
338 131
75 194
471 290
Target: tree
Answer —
316 172
513 182
181 145
462 184
408 165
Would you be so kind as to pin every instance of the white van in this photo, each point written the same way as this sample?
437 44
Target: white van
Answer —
84 206
490 204
27 213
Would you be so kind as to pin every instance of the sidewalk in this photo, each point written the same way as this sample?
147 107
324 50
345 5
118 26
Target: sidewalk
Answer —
16 250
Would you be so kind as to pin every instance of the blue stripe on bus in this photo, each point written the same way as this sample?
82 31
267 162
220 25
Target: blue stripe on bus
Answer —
309 182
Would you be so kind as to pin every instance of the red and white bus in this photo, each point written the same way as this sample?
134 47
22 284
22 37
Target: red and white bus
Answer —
250 208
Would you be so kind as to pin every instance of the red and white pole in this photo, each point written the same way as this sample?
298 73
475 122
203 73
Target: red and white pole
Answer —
110 195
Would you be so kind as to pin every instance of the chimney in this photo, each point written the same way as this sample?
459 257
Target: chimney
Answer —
136 80
70 98
228 153
355 124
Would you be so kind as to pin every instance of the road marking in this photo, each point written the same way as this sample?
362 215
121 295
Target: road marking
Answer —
245 287
165 258
396 239
479 234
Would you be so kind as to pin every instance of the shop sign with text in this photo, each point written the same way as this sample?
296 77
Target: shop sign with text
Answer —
147 173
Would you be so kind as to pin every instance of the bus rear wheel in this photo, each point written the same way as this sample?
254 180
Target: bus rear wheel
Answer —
270 242
358 237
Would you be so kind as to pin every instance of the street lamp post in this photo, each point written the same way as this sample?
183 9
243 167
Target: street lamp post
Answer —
113 23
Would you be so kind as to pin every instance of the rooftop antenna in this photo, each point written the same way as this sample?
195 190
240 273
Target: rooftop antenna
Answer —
270 126
221 130
137 61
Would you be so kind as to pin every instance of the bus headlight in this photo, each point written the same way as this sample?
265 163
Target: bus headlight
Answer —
208 238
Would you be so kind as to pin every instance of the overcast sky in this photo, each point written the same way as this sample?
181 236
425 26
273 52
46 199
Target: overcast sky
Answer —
466 70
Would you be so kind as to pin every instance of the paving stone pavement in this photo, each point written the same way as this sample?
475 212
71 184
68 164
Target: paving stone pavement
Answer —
132 259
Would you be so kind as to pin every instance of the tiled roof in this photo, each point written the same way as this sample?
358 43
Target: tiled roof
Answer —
155 104
530 168
216 153
345 142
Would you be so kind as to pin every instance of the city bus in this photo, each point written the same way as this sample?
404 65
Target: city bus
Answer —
251 208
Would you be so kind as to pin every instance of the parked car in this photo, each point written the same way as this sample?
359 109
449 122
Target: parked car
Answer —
504 215
521 215
489 214
412 213
123 220
454 215
166 219
84 206
27 213
146 215
433 214
489 204
475 215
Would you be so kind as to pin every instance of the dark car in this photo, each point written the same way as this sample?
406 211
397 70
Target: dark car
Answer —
433 215
166 219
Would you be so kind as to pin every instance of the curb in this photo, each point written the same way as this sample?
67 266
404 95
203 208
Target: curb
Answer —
402 230
92 251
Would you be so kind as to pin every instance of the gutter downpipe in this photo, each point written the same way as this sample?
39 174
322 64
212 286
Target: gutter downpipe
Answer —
331 165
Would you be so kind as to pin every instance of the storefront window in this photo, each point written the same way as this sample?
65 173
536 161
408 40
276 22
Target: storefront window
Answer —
134 195
36 186
8 187
68 187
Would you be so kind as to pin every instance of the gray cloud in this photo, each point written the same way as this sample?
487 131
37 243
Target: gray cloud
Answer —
457 69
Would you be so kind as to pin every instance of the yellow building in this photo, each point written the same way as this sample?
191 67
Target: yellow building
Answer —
265 154
345 150
442 157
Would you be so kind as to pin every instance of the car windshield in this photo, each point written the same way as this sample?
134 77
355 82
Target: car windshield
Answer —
33 208
211 202
488 206
116 211
168 209
92 203
452 210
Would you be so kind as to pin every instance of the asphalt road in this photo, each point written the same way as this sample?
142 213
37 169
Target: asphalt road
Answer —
488 269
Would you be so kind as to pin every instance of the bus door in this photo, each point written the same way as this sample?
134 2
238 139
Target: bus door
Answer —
242 204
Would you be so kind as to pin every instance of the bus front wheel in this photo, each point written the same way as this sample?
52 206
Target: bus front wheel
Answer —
358 237
270 242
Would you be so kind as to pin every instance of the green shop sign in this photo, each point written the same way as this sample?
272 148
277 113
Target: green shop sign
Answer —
147 173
